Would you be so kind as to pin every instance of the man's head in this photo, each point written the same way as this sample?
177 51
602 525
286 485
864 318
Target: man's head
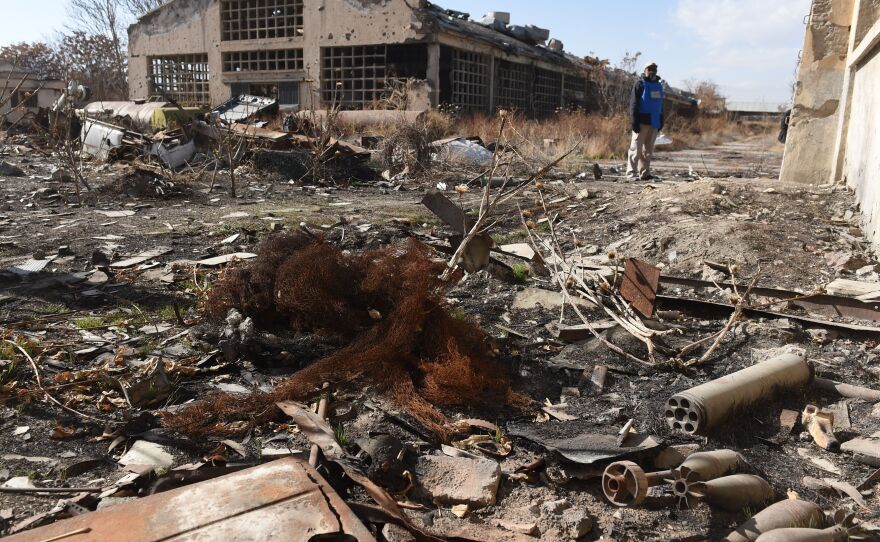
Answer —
651 69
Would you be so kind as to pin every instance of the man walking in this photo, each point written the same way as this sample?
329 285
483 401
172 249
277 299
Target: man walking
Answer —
646 107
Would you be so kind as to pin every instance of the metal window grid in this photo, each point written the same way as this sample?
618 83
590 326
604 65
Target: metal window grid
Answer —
548 92
263 60
353 76
182 77
513 87
470 80
574 85
260 19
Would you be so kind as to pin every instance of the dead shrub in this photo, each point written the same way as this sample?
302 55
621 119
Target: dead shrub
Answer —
604 136
408 145
416 350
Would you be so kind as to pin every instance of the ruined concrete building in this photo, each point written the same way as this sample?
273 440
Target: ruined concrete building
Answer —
355 52
833 134
23 94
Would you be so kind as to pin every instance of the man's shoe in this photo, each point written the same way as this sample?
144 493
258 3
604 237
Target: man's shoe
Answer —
647 177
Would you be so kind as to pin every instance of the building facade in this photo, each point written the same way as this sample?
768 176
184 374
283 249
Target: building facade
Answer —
834 130
23 94
357 54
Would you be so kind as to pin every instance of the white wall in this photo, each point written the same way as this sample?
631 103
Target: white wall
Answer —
862 167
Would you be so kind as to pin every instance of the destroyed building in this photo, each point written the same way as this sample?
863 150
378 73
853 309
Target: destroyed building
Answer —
352 53
831 136
24 94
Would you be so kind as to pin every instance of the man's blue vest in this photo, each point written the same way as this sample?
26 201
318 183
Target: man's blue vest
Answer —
651 101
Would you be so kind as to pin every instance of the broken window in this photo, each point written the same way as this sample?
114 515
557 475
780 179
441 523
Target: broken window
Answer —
548 92
354 77
574 91
285 92
513 86
263 60
184 78
261 19
470 81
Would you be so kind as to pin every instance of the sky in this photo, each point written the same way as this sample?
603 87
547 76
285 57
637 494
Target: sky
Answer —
748 47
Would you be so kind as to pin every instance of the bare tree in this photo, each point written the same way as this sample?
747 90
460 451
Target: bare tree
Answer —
100 18
136 8
709 95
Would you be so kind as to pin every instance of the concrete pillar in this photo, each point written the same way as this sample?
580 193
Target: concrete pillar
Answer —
492 73
433 72
810 148
846 101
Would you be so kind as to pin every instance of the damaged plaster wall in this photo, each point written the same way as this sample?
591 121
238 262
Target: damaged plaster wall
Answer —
834 136
812 130
179 28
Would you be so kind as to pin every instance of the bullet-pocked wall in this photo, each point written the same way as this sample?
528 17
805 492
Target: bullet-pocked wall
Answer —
354 54
262 46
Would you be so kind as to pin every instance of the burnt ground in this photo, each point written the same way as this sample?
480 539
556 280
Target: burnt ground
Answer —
90 333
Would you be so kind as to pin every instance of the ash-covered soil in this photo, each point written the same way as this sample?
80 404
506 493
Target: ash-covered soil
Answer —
93 329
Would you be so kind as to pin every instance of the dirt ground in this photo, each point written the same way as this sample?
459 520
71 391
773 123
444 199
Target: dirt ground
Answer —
92 328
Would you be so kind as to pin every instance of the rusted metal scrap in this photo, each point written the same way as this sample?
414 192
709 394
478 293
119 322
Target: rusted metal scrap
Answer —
281 500
824 304
626 484
698 409
783 514
713 308
477 253
639 287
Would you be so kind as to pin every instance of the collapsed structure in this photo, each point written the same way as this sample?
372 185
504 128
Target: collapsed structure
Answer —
831 137
353 53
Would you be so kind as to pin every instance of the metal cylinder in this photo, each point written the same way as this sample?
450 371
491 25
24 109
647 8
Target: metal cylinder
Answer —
696 410
787 513
703 466
733 492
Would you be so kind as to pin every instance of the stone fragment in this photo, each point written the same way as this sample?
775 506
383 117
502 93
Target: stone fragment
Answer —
457 480
143 452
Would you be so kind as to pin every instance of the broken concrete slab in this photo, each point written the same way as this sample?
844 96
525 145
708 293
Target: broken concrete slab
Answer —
864 449
143 452
141 258
457 480
33 265
226 258
116 214
531 298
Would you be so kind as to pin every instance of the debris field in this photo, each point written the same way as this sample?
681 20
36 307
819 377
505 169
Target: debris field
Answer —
249 326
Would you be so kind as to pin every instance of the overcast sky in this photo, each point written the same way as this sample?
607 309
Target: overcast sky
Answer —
749 47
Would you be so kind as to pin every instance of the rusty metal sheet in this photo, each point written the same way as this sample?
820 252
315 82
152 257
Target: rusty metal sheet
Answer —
824 304
707 308
640 282
278 501
447 211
